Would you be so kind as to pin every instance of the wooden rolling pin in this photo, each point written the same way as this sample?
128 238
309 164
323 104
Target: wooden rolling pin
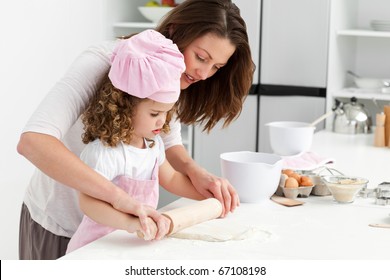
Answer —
195 213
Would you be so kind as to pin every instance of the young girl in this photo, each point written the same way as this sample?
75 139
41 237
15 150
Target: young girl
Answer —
122 126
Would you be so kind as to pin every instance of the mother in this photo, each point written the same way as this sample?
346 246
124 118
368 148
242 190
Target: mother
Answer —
213 39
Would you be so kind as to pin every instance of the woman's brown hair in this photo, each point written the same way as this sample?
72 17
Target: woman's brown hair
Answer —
109 114
222 95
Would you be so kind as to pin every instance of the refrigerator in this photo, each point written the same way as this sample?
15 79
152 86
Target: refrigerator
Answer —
289 45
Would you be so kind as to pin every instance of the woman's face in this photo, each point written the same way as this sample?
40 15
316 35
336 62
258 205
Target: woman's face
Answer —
203 57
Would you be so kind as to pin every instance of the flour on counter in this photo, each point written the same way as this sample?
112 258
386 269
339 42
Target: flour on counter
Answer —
218 231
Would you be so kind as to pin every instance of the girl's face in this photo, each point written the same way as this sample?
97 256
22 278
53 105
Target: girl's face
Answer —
148 120
203 57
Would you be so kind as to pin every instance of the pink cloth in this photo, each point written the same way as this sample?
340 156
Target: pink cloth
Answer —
148 65
305 161
145 191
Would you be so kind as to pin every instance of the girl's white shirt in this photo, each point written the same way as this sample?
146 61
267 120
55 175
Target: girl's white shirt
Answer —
51 204
124 159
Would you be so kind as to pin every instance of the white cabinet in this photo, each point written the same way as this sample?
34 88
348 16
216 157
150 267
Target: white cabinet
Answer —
354 46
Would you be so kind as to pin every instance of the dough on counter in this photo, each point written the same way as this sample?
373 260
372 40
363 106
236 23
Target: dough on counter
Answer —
220 231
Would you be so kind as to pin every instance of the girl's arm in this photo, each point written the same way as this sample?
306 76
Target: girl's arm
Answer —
204 182
177 183
103 213
52 157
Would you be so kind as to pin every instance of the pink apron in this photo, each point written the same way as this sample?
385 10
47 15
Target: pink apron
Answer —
145 191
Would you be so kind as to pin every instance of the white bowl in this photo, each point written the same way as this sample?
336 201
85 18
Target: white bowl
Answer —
320 188
255 176
344 188
289 138
154 14
369 83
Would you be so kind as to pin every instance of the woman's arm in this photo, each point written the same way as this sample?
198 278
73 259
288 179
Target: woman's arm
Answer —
54 118
52 157
205 183
103 213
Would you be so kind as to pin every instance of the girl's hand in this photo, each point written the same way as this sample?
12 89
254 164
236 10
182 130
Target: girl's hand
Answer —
155 231
210 185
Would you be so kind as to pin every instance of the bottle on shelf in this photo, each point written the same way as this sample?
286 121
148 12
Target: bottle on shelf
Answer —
386 110
379 136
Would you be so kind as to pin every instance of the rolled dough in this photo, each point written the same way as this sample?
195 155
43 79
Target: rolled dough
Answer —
220 231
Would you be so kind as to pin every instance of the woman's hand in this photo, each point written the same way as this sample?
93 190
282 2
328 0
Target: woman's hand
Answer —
153 224
154 232
211 185
205 183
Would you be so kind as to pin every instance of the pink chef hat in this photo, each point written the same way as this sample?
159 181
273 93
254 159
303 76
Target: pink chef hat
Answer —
148 65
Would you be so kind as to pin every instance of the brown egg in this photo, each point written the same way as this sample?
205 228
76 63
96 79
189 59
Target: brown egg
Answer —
291 183
304 178
296 176
305 181
288 172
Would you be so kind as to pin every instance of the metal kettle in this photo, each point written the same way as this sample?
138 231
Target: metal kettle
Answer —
351 118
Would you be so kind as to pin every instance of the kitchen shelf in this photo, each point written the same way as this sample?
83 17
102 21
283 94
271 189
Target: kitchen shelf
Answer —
129 24
361 94
363 33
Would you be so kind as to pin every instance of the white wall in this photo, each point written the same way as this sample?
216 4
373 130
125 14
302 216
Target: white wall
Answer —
39 40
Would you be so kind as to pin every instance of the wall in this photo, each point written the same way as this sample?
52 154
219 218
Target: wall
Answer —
39 40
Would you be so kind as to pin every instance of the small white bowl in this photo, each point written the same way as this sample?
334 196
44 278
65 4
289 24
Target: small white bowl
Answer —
289 138
154 14
369 83
344 188
320 188
255 176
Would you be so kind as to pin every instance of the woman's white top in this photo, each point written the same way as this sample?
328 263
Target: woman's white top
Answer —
51 204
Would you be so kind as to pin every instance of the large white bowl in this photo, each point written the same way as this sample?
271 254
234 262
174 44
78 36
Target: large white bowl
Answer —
289 138
154 14
255 176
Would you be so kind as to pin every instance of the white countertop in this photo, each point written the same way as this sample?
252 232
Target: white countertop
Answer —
355 155
320 229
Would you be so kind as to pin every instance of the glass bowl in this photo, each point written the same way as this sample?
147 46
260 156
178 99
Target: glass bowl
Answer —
344 188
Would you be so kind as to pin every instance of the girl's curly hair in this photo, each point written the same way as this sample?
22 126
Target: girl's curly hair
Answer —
108 116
